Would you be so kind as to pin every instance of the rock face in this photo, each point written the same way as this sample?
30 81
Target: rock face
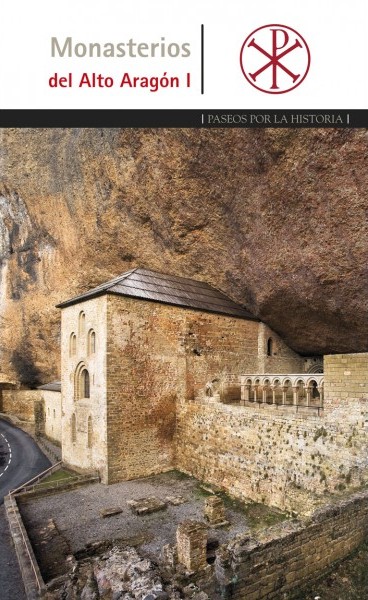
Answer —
277 219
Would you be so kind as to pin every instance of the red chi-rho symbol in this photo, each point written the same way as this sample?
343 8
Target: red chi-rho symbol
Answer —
275 59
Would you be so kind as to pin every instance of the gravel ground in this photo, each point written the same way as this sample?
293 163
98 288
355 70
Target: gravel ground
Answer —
77 516
76 513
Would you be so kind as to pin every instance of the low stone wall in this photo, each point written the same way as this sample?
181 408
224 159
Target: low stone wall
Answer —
279 455
20 403
280 564
31 575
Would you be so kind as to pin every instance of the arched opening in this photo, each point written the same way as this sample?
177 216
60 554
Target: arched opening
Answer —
289 396
257 393
72 344
248 397
91 344
82 388
302 396
269 347
85 388
315 395
278 391
73 429
81 323
317 368
268 395
89 432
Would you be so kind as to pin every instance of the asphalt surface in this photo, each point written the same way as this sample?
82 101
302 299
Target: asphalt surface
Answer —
20 460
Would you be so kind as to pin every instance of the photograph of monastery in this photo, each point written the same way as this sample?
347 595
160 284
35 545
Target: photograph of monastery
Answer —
191 306
135 324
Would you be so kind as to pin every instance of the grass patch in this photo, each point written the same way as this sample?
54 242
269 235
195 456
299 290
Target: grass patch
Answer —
257 515
57 476
199 492
260 515
179 475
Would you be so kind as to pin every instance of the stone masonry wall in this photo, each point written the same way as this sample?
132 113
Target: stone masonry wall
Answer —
52 410
283 563
20 403
282 359
346 377
159 355
146 371
149 357
86 450
275 455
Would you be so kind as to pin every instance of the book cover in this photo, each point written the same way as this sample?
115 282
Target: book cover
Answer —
183 298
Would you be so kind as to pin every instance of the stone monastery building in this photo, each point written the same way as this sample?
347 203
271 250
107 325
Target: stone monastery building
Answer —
163 372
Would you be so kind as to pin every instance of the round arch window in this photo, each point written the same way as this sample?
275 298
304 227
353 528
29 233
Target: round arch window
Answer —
85 386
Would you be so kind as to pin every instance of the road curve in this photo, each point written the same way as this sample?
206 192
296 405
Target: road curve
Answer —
20 458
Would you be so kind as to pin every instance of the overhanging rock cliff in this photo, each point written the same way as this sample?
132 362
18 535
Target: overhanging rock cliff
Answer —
277 219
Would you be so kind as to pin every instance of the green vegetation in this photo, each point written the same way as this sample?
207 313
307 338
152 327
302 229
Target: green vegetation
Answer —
260 515
340 487
179 475
200 492
257 515
321 432
57 476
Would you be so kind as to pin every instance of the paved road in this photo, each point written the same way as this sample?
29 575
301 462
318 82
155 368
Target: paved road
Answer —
20 460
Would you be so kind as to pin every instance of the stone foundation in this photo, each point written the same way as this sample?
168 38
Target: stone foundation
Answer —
281 457
191 539
214 511
289 560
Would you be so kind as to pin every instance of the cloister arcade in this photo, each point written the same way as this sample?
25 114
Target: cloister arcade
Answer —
295 390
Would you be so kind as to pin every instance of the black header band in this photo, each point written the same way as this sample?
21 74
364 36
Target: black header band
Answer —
185 118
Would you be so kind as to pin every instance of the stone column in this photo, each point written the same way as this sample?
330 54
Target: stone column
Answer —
247 389
191 539
295 395
308 392
284 394
273 394
255 393
242 391
214 511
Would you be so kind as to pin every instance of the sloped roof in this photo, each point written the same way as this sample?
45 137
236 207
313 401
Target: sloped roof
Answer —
53 386
6 382
168 289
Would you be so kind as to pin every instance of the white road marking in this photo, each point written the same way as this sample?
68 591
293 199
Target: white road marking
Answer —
10 454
